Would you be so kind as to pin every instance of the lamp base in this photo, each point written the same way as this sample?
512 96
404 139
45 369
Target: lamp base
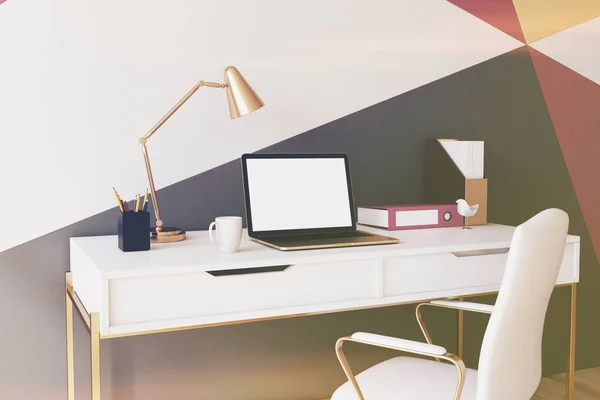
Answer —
167 235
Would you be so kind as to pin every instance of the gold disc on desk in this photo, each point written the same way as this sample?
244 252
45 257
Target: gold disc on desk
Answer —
167 235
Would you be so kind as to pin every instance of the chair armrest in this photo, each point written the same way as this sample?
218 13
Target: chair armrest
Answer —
409 346
463 305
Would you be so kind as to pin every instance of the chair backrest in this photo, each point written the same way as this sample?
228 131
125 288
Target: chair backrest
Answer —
510 363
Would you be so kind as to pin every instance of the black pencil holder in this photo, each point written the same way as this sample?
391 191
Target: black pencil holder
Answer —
134 231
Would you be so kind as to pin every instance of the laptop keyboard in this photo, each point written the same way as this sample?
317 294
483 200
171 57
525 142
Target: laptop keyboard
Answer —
323 240
320 237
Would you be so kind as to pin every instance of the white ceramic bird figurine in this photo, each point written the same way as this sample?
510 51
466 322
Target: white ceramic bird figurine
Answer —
466 210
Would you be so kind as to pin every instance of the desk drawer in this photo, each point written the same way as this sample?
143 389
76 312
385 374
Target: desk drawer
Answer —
405 275
436 272
157 298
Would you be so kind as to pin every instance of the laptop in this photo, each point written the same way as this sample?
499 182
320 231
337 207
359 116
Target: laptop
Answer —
302 201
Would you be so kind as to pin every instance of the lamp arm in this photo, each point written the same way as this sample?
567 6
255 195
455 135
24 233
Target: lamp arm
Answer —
152 188
178 105
147 136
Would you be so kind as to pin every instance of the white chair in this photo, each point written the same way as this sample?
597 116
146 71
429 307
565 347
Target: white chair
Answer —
510 362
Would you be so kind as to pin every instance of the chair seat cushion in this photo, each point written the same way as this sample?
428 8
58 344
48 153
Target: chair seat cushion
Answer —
409 378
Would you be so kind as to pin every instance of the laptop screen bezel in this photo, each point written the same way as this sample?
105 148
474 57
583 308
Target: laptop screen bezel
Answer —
262 234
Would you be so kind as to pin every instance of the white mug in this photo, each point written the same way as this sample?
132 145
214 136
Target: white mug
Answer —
229 233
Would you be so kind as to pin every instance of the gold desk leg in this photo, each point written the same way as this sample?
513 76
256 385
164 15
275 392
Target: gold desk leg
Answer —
70 347
95 355
570 382
461 325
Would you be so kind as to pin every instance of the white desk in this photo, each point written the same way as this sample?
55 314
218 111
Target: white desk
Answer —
191 284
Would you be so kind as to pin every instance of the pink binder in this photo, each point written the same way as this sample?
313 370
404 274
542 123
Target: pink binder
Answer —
410 216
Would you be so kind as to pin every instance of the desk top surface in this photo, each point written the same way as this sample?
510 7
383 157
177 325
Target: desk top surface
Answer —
197 253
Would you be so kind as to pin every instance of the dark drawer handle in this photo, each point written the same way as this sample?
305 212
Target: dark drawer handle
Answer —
485 252
247 271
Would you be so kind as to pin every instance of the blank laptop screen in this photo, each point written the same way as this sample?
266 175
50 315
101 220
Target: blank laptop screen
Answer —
298 193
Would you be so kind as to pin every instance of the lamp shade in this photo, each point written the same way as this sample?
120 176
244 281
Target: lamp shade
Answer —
241 97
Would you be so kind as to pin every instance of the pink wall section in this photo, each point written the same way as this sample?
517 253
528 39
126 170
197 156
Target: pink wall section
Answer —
501 14
572 102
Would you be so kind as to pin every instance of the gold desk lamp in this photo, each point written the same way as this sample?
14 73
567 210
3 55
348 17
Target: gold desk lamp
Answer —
242 100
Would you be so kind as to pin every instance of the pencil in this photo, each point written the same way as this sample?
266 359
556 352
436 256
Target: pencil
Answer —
118 199
137 202
126 206
145 205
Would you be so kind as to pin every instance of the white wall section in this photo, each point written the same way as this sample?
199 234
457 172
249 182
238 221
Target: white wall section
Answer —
81 81
576 48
